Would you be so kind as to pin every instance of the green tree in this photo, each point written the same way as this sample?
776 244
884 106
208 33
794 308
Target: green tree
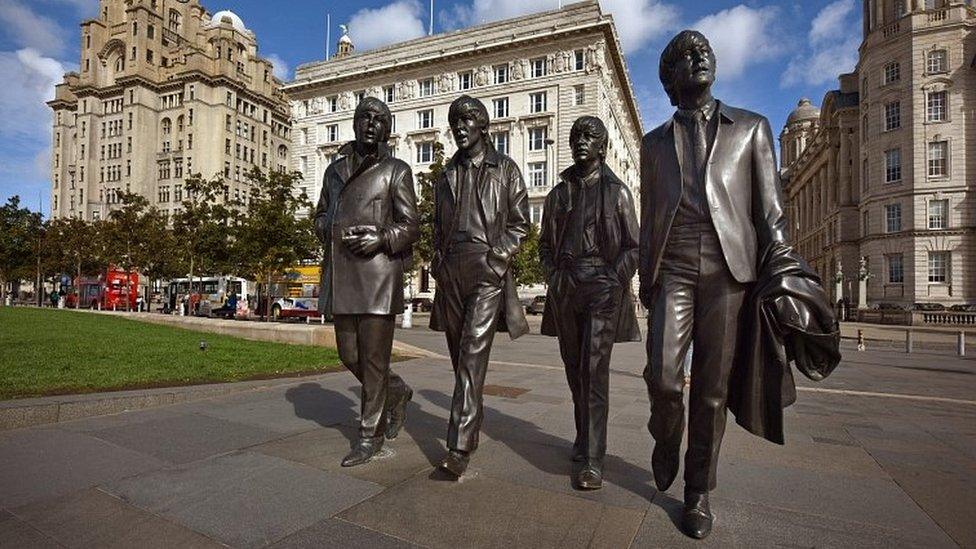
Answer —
203 227
72 246
20 229
271 236
526 267
423 249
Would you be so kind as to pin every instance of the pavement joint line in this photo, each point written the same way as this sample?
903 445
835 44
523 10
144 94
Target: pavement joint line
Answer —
901 396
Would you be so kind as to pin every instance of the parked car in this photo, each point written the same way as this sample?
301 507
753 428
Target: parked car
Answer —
964 308
888 307
928 307
422 304
537 306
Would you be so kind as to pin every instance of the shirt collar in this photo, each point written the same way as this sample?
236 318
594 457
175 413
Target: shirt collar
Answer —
707 110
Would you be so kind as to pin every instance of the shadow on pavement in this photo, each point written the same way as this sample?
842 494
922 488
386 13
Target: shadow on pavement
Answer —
549 453
314 403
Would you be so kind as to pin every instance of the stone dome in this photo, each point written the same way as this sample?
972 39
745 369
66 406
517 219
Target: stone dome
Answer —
227 16
805 110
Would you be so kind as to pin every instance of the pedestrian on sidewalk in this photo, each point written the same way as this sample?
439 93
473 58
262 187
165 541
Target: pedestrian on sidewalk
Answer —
589 249
367 221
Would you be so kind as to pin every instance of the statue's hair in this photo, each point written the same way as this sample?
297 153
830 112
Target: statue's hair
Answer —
670 56
374 104
467 104
595 125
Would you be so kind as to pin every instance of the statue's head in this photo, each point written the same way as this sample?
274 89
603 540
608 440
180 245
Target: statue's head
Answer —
372 122
687 65
588 139
468 118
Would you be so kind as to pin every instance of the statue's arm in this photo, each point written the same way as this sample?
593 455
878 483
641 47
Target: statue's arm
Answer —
518 222
626 263
321 220
405 228
547 237
767 194
646 237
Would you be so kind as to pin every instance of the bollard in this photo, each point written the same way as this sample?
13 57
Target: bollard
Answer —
113 307
909 340
321 319
407 321
860 340
961 343
308 319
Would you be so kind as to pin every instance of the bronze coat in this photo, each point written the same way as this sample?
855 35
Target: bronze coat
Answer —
504 204
381 194
617 236
741 187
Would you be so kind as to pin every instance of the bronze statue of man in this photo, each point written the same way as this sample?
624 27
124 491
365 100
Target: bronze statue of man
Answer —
589 249
710 205
481 215
367 221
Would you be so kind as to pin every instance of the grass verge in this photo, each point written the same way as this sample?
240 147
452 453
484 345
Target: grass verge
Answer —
50 352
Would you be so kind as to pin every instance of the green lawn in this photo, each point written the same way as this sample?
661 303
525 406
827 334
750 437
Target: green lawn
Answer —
48 352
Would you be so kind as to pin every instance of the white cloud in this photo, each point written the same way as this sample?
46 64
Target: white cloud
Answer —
29 29
397 22
741 36
637 21
281 69
834 38
29 80
831 23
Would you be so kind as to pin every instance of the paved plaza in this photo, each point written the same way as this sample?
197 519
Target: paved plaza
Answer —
881 454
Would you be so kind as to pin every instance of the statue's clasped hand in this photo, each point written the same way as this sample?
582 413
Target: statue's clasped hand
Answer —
363 240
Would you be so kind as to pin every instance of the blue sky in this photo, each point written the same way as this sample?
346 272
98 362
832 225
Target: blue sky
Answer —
770 53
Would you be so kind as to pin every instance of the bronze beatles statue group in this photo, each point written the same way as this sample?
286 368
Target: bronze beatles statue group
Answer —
711 252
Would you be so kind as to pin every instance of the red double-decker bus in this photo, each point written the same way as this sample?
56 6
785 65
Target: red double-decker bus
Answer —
109 290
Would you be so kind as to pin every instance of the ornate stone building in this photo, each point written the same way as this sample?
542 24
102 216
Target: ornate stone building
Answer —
164 90
536 74
907 162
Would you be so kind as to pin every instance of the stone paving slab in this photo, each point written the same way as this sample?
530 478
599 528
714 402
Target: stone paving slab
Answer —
17 533
244 499
339 533
93 518
486 512
185 438
39 464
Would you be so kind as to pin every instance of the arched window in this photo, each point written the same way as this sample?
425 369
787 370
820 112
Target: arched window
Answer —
167 126
179 124
120 64
282 152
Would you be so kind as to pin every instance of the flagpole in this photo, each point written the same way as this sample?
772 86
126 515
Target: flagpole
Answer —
430 29
328 34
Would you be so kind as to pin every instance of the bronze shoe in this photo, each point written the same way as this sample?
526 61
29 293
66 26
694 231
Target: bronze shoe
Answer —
697 519
590 477
455 463
665 460
362 452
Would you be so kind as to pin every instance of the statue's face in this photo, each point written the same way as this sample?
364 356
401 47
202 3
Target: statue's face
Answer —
370 126
696 67
468 132
586 145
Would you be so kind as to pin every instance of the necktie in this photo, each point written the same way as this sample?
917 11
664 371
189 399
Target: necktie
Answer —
464 196
700 143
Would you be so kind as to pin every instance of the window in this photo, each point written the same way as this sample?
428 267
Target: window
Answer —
537 102
303 164
938 214
332 133
892 116
865 126
896 268
360 95
892 73
537 139
865 226
151 31
579 95
539 67
501 74
938 267
937 61
426 87
892 165
464 80
393 123
149 56
500 140
537 174
425 153
579 60
892 218
425 119
500 107
333 103
535 213
938 158
936 106
389 94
